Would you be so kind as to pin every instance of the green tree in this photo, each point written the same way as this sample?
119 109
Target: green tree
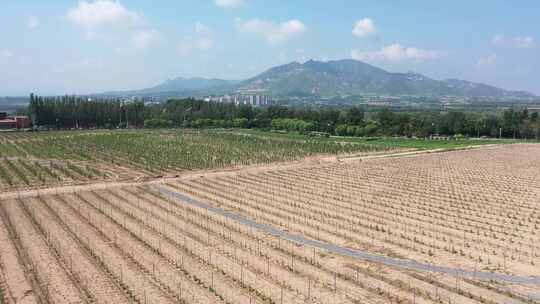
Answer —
355 116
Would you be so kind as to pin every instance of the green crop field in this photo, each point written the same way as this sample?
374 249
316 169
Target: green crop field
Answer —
422 144
389 142
39 158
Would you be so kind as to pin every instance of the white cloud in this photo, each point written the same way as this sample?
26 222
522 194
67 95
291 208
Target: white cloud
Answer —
100 13
273 33
205 44
201 28
498 39
202 41
145 38
396 52
524 42
190 45
32 22
488 60
364 28
229 3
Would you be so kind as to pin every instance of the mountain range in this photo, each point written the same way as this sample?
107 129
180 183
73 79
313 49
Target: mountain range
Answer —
333 78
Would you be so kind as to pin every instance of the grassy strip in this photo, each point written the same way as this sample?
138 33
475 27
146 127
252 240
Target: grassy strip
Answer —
425 144
391 142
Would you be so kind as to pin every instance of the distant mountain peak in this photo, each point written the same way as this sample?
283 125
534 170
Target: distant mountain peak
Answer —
349 76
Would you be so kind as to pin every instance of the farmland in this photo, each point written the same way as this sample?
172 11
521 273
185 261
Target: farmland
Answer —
390 142
91 239
52 158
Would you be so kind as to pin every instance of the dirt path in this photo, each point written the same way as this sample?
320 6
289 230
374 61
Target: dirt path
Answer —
487 276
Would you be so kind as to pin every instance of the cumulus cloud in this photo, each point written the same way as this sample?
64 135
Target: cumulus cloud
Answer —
524 42
145 38
229 3
488 60
364 28
202 40
395 52
100 13
110 20
272 32
32 22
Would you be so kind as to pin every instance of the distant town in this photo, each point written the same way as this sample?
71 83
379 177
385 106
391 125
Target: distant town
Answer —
252 100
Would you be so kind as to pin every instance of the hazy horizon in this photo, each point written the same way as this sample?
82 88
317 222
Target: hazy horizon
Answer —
93 46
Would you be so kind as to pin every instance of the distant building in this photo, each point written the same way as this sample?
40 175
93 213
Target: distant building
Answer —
253 100
14 122
380 100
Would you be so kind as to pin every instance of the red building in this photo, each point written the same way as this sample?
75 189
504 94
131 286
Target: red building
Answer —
14 122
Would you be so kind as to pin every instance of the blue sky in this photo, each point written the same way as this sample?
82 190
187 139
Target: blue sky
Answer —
65 47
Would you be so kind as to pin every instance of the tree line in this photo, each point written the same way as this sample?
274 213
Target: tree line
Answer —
69 112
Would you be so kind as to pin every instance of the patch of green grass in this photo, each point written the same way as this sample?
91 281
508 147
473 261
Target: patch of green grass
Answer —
387 142
424 144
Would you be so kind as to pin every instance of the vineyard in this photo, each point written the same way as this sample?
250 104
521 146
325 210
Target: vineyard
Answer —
40 159
475 210
18 172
